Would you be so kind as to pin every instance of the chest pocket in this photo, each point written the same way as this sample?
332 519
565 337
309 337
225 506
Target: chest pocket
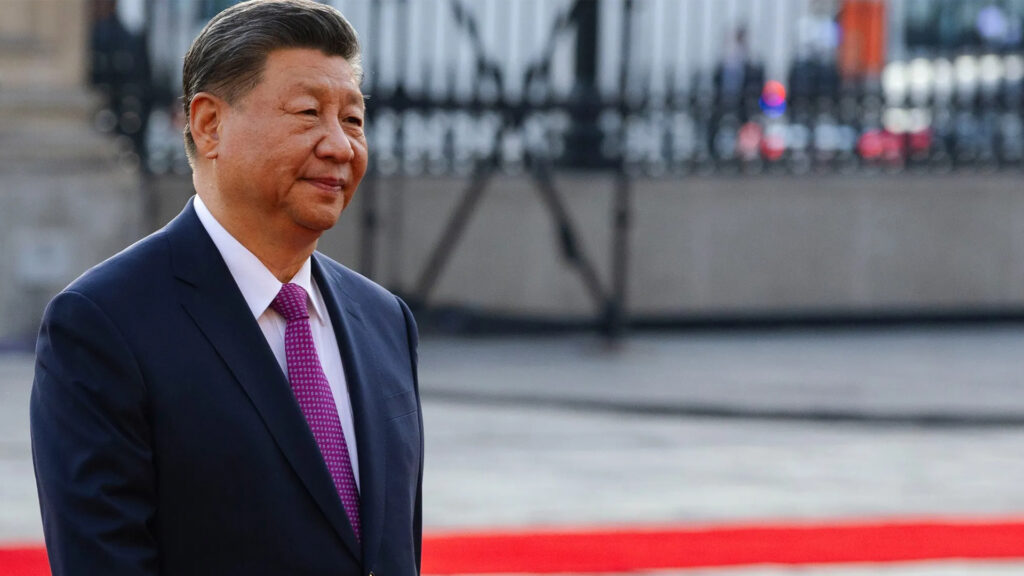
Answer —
400 405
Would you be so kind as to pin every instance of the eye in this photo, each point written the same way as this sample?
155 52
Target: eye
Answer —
354 120
309 112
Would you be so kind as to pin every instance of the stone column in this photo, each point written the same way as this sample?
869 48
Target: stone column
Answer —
69 196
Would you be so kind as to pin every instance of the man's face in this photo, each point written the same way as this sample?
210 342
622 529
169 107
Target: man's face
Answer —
292 151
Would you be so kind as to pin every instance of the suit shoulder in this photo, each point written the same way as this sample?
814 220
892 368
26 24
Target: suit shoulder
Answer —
355 284
131 269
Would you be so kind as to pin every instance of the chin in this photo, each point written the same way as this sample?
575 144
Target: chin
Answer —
318 220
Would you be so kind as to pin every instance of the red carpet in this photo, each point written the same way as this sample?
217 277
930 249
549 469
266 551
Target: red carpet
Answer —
646 549
23 561
626 549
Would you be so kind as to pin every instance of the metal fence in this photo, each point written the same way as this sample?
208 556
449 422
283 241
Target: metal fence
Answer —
637 88
669 87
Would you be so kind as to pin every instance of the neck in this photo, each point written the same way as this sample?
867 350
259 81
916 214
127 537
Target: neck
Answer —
282 263
282 252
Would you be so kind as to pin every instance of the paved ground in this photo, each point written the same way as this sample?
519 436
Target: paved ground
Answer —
701 427
513 441
969 371
19 514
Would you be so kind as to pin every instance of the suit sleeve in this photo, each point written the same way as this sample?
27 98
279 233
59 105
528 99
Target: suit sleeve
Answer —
91 445
412 335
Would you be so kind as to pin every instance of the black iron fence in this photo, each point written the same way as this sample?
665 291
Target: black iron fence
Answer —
668 88
637 88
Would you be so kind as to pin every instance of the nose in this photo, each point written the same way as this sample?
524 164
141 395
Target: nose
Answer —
335 144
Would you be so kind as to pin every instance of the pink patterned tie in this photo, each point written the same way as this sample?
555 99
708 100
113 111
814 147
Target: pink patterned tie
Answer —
311 389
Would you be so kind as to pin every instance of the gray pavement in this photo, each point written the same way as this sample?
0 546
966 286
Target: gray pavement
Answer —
521 467
513 442
19 511
965 371
500 452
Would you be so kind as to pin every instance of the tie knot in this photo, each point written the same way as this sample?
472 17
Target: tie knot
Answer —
291 302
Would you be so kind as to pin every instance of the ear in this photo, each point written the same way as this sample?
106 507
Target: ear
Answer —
205 116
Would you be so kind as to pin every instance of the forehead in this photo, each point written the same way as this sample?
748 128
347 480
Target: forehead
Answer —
296 71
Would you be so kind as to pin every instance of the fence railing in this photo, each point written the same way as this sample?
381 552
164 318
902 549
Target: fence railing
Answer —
703 86
638 88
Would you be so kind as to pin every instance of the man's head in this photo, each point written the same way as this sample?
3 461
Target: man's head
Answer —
228 56
275 118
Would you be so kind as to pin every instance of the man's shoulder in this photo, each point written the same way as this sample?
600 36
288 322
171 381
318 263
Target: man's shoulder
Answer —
353 284
131 270
142 267
385 312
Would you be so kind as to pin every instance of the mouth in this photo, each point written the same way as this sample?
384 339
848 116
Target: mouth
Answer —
327 184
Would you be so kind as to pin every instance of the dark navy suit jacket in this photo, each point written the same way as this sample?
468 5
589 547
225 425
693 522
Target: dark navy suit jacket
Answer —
166 439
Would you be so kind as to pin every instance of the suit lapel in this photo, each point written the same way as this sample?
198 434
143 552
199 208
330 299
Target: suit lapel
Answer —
210 296
360 363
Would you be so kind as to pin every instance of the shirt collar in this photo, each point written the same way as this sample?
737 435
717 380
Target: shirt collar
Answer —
258 285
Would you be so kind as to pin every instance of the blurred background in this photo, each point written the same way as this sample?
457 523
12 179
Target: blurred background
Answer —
674 261
562 164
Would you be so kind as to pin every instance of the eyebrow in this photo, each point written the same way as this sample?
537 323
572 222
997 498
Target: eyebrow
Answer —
350 96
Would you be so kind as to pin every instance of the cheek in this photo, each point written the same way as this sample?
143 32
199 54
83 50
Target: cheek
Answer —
244 147
361 157
281 156
275 143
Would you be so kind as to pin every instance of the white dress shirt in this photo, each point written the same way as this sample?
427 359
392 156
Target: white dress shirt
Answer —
259 287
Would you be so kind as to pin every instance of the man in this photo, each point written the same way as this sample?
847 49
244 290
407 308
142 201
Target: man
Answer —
219 398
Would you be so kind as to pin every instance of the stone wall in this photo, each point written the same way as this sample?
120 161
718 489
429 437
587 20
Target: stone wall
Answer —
43 44
706 247
69 196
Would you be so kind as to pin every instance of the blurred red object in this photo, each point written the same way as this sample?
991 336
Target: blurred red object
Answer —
748 141
862 41
920 142
893 148
869 145
773 144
